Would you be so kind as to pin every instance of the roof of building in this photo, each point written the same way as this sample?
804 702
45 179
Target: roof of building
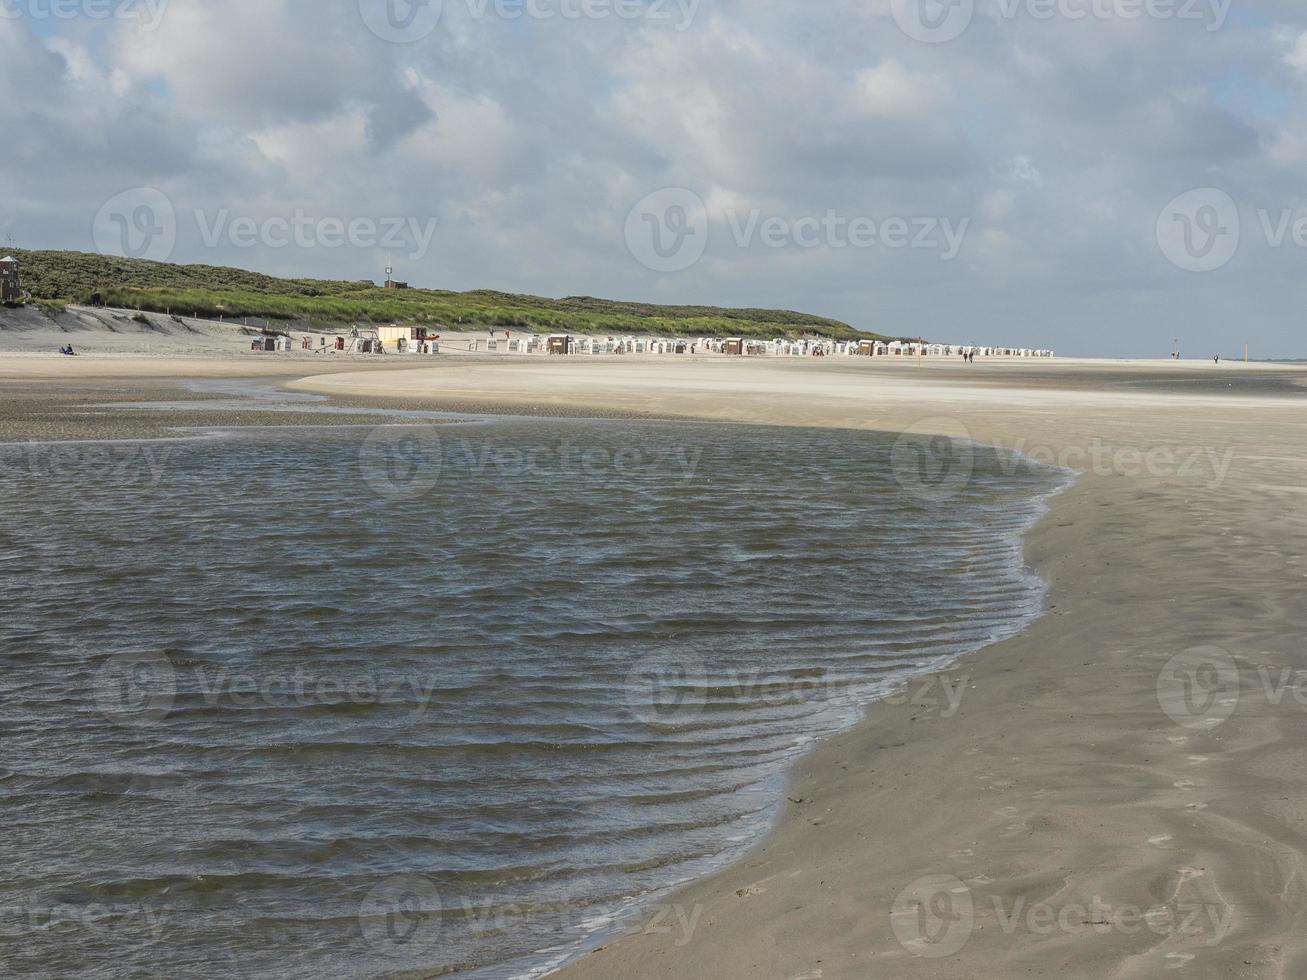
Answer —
8 258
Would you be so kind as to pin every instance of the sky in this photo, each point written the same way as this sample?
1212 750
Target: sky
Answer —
1103 177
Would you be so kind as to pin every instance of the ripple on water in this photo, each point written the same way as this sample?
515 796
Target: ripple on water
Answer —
264 718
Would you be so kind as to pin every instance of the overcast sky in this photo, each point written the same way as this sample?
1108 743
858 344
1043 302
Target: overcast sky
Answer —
1094 176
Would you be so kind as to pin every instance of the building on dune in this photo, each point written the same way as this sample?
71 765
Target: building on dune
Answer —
11 290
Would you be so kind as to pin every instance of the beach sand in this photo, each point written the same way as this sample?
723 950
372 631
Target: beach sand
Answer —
1119 791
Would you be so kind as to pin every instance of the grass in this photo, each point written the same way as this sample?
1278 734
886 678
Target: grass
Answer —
55 278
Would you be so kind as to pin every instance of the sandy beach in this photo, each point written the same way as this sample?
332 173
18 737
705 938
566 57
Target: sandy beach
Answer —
1116 792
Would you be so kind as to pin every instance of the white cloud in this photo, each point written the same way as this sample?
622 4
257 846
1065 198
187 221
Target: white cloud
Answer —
531 140
890 89
1296 58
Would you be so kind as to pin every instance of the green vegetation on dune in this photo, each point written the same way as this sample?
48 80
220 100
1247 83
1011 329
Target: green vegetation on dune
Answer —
212 291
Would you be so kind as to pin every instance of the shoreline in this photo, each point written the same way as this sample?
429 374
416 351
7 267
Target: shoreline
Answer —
676 897
1053 789
1065 780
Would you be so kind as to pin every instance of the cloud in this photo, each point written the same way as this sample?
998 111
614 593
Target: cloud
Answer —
530 139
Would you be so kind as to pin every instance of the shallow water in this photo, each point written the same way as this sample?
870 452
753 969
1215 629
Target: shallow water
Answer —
344 702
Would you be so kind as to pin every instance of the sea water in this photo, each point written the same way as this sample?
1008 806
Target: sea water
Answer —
353 701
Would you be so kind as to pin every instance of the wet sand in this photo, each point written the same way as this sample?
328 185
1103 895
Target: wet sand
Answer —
1119 791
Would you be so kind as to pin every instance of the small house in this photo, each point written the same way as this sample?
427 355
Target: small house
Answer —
867 348
559 343
733 345
10 290
403 338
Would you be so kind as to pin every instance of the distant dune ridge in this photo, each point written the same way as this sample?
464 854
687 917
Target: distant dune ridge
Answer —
56 278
